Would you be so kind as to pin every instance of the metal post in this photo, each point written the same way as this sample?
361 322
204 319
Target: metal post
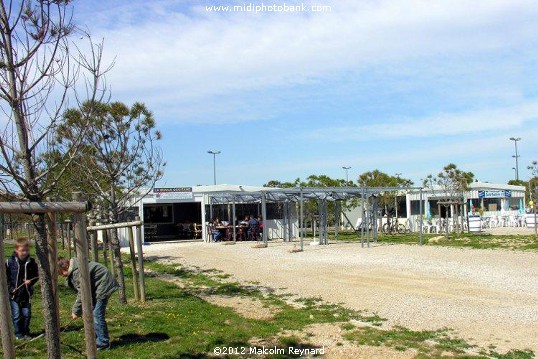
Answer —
233 219
210 209
421 218
301 218
516 156
140 253
336 219
374 209
369 217
6 326
290 225
346 168
363 216
285 223
85 287
133 262
264 217
214 153
322 212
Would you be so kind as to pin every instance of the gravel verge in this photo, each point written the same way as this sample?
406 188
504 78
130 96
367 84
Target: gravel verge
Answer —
489 297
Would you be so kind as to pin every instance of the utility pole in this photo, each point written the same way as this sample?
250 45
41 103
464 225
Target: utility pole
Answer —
516 156
346 169
214 153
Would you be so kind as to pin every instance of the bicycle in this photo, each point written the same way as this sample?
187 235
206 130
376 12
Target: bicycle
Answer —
366 226
393 226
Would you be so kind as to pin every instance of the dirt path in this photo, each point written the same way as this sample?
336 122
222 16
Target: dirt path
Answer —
489 297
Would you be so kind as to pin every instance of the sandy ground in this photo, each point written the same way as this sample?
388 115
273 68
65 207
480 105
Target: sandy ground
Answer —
490 297
510 230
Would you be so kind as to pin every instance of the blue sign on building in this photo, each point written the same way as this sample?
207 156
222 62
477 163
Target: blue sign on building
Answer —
495 194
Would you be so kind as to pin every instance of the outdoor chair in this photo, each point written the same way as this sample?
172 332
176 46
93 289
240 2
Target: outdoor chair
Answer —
241 234
196 231
150 232
253 232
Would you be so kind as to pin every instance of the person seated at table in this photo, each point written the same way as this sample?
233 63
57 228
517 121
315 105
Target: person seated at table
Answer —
253 228
217 222
215 233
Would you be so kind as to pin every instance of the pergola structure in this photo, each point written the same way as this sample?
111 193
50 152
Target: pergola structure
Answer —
299 195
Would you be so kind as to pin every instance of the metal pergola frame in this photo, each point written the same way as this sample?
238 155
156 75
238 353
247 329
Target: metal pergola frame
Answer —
300 195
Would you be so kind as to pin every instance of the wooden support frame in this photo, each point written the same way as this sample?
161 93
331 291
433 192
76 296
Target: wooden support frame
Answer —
50 209
138 273
6 326
81 243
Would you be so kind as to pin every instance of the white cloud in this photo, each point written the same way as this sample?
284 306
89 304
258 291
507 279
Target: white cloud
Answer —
184 57
483 121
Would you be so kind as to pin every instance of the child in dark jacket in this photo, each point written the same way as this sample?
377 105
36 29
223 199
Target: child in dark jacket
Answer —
103 284
22 274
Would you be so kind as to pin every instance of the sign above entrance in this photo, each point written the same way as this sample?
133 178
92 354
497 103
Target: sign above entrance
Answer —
173 193
495 194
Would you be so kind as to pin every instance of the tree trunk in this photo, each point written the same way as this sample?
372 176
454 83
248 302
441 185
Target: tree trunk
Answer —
114 241
50 315
105 247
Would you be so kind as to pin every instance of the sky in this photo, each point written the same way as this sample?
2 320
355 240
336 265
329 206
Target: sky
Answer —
403 86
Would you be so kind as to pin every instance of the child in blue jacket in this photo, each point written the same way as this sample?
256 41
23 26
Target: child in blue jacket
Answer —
22 274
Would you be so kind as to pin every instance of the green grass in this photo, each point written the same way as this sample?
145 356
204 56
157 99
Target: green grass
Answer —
428 344
176 323
464 240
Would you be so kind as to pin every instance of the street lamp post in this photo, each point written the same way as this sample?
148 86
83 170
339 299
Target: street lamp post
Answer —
515 172
346 169
516 155
214 153
396 197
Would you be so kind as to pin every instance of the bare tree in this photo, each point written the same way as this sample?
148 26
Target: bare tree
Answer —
124 158
533 181
40 70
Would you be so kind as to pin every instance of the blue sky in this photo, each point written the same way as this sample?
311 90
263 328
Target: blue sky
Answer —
403 86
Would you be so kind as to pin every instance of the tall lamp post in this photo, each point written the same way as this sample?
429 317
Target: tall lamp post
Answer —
214 153
396 197
516 155
346 169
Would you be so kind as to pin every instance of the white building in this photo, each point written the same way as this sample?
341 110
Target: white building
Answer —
182 213
489 198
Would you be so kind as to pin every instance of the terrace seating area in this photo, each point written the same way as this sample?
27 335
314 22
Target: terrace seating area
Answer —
438 225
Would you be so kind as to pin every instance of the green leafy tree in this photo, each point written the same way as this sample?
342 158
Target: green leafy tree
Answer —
124 160
40 69
386 199
311 205
451 185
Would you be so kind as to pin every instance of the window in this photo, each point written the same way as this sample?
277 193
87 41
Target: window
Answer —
158 214
415 208
492 204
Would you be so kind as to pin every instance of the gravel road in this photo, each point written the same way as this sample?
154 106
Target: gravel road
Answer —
490 297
